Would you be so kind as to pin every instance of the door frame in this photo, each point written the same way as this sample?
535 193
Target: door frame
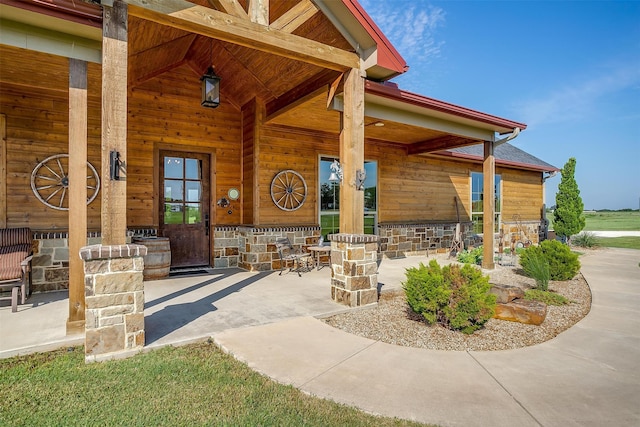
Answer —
211 152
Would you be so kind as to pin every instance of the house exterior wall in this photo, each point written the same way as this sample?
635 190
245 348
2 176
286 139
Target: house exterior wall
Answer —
165 112
415 193
37 120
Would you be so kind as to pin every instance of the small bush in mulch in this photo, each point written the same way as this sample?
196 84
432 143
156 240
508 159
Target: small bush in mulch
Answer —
563 264
453 296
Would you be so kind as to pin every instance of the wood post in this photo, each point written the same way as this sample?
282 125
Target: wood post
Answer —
114 121
488 205
352 154
77 191
3 171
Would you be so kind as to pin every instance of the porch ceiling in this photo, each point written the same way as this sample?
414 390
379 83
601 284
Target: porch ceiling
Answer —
246 73
313 114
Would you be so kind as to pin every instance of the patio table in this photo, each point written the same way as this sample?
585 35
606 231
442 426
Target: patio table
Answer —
317 252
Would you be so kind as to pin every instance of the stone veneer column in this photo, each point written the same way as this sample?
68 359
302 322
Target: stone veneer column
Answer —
114 300
354 269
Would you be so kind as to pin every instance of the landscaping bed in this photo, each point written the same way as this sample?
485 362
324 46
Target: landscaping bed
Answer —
393 322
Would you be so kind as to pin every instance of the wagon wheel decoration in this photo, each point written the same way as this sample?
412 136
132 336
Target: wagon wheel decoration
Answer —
50 182
288 190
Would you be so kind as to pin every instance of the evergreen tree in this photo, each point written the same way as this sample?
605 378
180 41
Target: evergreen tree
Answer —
568 218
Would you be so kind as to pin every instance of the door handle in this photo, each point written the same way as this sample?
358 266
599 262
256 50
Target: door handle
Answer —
206 224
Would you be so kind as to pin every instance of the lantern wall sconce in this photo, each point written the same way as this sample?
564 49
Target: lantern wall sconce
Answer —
210 89
114 165
337 174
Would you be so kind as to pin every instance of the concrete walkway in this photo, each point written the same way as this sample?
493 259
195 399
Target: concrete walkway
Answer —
587 376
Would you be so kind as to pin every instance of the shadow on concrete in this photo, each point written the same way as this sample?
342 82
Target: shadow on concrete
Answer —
174 317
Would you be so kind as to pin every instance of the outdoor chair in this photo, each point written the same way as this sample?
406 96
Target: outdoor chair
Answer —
15 264
288 253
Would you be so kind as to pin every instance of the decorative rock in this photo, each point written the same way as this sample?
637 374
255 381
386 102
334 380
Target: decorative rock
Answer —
522 311
506 293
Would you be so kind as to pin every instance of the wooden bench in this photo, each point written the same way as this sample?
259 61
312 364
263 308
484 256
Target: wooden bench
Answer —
15 264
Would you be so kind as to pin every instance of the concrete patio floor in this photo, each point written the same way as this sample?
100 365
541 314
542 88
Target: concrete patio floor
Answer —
183 309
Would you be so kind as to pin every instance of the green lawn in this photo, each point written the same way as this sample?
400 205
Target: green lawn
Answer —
608 221
619 242
186 386
612 221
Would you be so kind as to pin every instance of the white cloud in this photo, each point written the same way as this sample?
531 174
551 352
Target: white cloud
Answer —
579 100
410 26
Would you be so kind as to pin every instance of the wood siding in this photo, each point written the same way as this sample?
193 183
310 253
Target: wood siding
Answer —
165 112
34 97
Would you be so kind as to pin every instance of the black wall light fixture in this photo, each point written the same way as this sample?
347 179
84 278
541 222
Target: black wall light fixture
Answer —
114 165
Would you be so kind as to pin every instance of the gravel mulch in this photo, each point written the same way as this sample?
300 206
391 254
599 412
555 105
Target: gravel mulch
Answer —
392 320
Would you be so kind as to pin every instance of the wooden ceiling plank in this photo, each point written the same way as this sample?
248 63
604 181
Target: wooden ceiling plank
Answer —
232 7
295 17
441 143
211 23
300 94
259 11
159 59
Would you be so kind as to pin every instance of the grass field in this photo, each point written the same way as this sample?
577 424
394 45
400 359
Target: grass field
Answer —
608 221
627 242
185 386
612 221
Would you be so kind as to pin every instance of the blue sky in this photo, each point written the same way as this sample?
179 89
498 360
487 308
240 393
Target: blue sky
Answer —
570 70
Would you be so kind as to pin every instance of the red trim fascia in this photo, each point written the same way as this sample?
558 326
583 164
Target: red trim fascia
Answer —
388 56
391 91
75 11
517 165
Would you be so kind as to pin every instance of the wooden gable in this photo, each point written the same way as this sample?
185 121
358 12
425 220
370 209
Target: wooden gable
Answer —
246 72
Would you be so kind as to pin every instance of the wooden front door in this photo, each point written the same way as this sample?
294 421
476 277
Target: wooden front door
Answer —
184 211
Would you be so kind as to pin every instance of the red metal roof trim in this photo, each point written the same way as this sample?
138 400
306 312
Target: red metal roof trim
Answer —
69 10
388 56
507 163
391 91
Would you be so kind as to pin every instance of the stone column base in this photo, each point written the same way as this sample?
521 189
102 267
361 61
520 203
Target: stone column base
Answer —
114 301
354 269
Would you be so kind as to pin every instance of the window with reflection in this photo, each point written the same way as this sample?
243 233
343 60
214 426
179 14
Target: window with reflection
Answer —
330 198
182 190
477 197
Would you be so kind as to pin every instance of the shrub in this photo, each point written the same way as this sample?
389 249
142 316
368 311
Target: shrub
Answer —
473 256
549 298
563 264
456 297
536 265
586 239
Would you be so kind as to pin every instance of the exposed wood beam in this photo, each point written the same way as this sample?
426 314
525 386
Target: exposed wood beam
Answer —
232 7
333 89
259 11
300 94
114 121
439 144
211 23
77 191
488 205
159 59
295 17
352 154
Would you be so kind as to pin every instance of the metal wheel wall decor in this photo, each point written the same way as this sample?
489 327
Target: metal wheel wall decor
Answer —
50 182
288 190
